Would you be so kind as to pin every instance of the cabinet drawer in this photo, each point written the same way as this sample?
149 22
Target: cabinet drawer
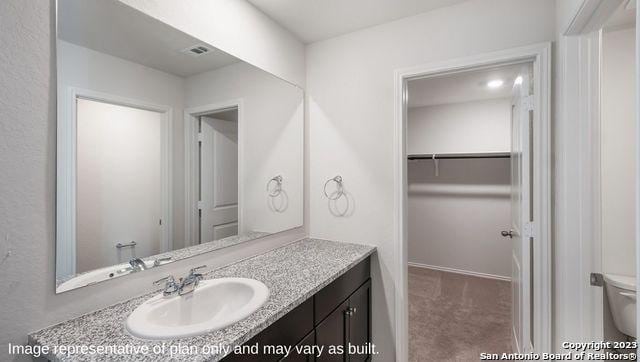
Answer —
331 296
288 330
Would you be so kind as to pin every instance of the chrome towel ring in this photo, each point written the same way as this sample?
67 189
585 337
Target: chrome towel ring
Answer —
274 186
339 188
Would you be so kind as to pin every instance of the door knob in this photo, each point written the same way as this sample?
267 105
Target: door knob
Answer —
507 234
350 311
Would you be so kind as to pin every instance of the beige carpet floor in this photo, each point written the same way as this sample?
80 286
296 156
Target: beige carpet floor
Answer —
455 317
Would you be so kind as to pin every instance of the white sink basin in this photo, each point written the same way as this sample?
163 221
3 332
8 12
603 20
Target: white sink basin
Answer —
215 304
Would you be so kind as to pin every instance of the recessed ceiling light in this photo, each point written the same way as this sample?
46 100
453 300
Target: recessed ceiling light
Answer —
496 83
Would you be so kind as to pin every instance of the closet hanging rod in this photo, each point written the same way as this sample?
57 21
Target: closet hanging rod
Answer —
450 156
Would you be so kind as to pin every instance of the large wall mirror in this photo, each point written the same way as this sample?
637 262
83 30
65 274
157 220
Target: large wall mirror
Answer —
166 146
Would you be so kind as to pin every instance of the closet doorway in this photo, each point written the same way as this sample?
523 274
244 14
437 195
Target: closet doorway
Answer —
473 226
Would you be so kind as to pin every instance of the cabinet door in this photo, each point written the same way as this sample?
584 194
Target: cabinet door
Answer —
294 356
329 297
359 323
288 330
331 333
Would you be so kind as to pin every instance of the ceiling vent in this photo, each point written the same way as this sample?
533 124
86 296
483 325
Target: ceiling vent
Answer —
197 50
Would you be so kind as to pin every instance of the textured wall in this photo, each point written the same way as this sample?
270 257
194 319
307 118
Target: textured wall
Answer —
27 108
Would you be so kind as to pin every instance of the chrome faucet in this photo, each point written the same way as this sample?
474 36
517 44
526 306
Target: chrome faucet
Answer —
137 264
192 280
182 287
170 286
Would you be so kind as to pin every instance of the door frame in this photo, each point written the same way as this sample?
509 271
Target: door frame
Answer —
580 310
66 170
191 220
540 56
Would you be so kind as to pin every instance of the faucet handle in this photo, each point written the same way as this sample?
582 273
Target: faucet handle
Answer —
189 284
192 271
168 280
170 286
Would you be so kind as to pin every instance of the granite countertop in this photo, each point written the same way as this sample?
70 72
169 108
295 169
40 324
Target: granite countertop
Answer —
293 273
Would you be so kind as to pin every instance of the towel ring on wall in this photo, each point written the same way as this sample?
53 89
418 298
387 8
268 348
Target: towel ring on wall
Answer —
274 191
339 189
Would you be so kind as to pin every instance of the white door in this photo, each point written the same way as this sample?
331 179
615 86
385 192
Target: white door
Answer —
218 179
119 183
521 212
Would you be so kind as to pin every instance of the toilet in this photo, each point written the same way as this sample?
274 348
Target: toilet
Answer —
621 293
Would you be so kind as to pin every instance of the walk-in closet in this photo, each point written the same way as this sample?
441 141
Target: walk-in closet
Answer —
460 254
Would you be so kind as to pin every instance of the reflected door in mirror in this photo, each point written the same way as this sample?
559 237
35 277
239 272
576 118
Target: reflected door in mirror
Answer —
218 176
119 183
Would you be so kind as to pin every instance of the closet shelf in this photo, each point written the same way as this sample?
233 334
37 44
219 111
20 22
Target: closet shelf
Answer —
444 156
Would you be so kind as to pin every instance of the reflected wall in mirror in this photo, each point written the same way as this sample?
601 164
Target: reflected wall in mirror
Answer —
167 146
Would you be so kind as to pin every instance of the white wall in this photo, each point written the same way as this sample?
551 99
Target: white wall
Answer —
271 139
618 162
455 218
119 183
27 205
88 69
351 111
470 127
236 27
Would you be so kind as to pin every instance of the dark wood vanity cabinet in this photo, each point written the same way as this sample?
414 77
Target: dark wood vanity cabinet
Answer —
349 326
358 323
333 331
338 315
309 340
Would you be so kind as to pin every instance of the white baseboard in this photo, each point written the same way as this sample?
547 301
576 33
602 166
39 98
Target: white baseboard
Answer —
460 271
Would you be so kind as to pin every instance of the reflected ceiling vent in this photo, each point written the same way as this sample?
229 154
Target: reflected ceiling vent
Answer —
197 50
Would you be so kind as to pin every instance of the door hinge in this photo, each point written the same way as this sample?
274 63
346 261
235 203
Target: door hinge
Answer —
200 137
529 230
528 103
200 205
596 279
